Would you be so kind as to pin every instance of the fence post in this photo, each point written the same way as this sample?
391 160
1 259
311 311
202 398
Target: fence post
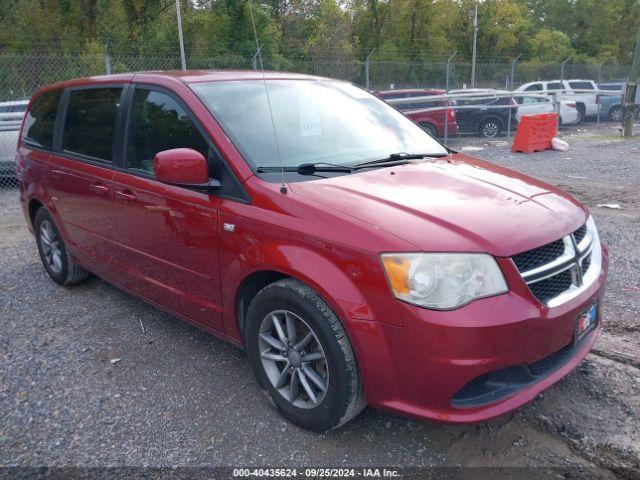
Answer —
107 64
254 60
562 67
367 66
630 92
513 70
600 70
446 84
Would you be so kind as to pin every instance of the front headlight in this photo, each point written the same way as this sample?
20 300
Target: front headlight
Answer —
443 281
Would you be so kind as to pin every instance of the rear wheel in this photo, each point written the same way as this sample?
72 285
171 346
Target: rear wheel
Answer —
301 357
490 128
430 129
53 252
581 110
616 114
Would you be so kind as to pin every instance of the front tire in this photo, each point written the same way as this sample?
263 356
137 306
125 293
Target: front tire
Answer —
302 358
57 262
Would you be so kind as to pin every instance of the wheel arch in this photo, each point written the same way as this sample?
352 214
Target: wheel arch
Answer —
311 268
34 206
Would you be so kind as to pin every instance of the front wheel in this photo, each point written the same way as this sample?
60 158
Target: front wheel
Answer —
302 358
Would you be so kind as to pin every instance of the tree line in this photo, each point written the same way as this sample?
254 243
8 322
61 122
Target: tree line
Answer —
590 31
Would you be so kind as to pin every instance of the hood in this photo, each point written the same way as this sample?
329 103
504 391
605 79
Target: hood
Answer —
456 203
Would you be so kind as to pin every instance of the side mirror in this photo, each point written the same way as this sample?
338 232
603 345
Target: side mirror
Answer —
182 166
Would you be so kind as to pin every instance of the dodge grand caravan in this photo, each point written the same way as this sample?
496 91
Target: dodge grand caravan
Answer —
357 260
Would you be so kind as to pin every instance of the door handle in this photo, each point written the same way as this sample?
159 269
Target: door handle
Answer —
99 188
126 195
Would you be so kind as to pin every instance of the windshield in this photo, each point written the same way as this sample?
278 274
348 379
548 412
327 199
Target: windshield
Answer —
315 121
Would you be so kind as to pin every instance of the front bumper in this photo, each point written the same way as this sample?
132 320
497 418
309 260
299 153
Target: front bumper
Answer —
417 369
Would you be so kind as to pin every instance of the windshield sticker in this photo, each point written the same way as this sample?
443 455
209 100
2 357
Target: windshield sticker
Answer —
310 124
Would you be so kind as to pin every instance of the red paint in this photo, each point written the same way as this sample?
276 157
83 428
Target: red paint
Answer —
168 245
181 166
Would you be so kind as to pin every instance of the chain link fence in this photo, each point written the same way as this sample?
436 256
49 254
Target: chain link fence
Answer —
21 75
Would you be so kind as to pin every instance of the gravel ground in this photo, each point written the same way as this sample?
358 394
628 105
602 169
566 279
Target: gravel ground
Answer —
92 377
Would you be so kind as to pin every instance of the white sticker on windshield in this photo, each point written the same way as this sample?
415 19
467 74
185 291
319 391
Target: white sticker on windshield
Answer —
310 124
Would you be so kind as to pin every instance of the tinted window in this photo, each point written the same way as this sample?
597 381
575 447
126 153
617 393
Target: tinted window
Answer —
534 87
615 87
581 85
555 86
90 122
41 119
159 123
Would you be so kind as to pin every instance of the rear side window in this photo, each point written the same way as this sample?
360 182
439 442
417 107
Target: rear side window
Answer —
90 122
159 123
41 120
581 85
414 105
555 86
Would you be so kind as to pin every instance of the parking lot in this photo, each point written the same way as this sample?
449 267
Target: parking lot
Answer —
91 376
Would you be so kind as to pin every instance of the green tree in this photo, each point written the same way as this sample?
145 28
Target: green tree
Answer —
551 45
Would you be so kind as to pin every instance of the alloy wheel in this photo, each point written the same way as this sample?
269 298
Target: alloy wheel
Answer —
616 114
293 359
50 246
490 129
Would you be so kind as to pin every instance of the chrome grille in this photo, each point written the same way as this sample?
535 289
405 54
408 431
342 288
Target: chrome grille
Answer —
556 271
539 256
551 287
580 233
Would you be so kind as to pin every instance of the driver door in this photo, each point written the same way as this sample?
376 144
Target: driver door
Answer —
168 235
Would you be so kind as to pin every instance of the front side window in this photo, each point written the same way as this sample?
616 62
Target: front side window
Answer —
533 88
311 121
159 123
41 120
90 122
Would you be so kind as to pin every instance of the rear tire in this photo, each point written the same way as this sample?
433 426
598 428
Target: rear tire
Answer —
281 367
581 112
616 114
57 262
490 128
430 129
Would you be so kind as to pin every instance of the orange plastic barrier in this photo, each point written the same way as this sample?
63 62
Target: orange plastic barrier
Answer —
535 132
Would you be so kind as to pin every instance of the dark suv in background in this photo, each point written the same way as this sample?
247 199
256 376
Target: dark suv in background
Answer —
490 117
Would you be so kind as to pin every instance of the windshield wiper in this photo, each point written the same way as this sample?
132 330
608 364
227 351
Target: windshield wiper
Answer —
320 167
307 168
399 159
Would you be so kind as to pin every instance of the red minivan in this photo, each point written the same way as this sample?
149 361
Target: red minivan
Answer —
432 115
357 260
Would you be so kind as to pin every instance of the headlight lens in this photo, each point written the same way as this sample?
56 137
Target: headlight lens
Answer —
443 281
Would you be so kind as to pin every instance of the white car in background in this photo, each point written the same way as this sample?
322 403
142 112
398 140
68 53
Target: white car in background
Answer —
574 91
11 115
568 111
